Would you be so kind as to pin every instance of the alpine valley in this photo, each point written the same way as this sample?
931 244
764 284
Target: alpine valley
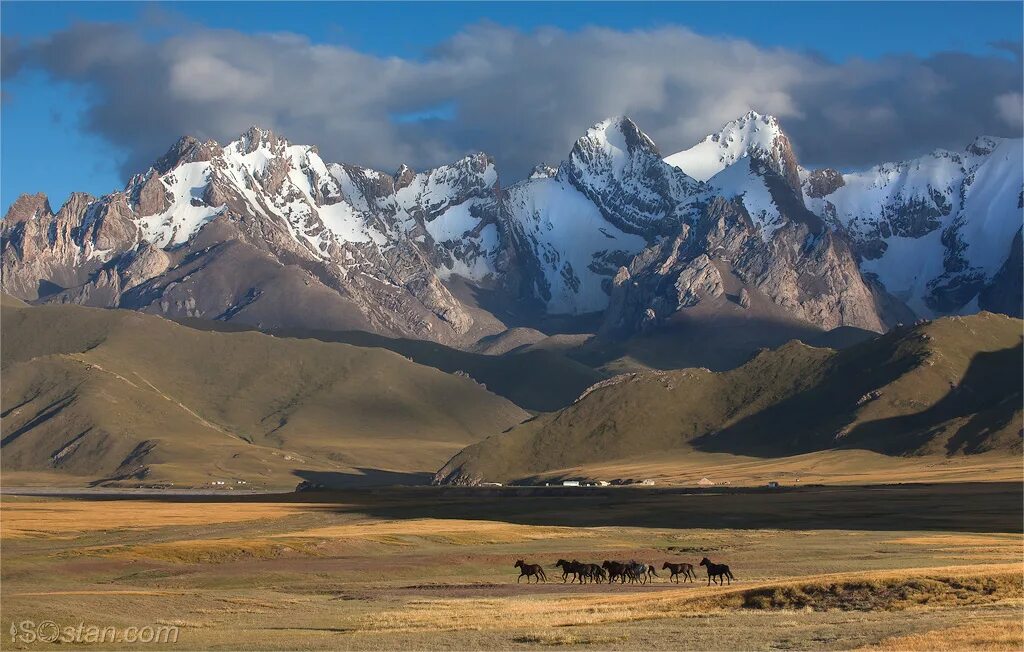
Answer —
620 259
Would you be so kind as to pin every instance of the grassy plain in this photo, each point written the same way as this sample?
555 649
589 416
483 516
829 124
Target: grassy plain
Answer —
912 567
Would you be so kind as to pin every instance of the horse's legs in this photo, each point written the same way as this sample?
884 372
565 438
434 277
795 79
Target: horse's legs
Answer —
521 577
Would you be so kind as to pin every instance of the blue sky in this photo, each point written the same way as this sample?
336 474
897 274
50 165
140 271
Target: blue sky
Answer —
48 145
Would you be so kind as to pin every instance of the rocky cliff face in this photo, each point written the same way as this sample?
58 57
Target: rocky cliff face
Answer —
807 270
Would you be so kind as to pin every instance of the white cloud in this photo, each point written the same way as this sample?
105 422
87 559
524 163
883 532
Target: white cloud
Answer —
1011 108
522 97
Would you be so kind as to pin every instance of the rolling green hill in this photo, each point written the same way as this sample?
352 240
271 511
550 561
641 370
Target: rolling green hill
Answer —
948 387
95 395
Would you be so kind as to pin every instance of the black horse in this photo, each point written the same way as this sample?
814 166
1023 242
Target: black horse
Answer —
530 570
684 569
721 571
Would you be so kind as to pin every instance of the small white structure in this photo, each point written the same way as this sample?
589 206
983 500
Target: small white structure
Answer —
773 485
647 482
704 482
603 483
570 483
490 484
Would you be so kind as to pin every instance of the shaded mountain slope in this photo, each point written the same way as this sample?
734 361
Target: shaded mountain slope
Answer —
116 395
534 379
949 386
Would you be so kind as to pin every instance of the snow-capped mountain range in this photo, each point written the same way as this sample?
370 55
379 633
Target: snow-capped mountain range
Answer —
267 233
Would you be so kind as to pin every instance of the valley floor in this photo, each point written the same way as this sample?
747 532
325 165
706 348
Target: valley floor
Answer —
898 567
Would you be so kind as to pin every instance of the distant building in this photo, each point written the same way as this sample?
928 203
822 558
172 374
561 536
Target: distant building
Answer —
704 482
490 484
647 482
773 485
603 483
570 483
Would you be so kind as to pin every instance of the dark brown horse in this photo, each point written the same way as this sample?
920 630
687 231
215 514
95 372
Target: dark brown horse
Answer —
721 571
573 568
684 569
593 572
530 570
616 570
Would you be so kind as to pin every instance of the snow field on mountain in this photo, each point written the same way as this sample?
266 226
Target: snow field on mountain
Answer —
567 230
738 180
991 206
718 151
181 220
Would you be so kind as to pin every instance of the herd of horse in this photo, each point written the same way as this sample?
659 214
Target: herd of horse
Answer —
633 572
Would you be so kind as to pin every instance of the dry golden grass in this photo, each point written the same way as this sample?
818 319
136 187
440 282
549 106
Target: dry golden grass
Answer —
834 467
332 576
883 590
1003 635
45 518
959 540
564 639
203 551
439 530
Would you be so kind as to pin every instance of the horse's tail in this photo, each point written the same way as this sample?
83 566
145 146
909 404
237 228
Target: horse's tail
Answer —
653 571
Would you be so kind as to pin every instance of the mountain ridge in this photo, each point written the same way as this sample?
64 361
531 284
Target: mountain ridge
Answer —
946 388
266 233
122 398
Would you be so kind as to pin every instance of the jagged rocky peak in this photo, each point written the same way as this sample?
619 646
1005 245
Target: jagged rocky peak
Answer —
690 269
28 207
822 182
403 176
619 168
256 137
611 143
984 145
751 135
188 149
543 171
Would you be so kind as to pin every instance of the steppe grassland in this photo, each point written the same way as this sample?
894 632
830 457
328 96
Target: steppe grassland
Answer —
297 574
